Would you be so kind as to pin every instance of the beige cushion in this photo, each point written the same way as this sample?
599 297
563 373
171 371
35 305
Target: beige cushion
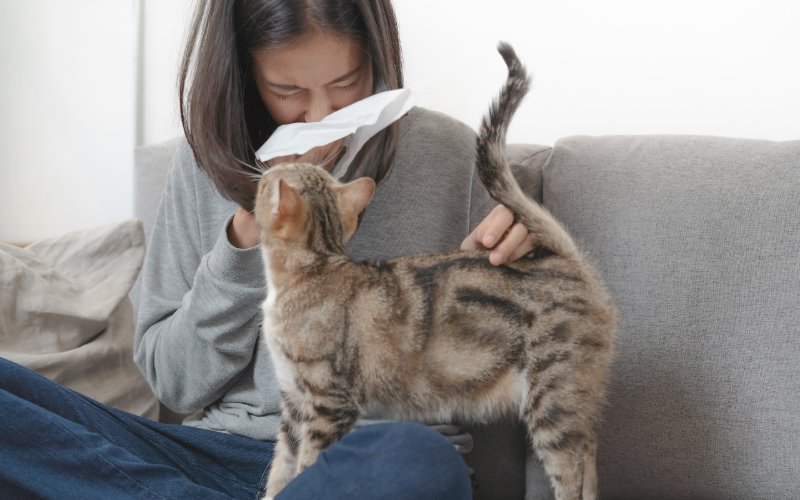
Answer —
65 312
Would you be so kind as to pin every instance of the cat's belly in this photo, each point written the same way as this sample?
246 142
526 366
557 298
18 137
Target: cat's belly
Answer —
422 401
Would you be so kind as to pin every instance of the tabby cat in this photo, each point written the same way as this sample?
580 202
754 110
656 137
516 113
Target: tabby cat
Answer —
435 337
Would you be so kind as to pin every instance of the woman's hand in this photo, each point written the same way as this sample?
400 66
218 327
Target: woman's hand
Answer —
244 231
508 240
458 437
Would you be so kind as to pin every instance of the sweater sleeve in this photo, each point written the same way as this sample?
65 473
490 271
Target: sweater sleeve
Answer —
199 313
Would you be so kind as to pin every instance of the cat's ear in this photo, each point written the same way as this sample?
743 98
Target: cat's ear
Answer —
357 194
353 199
285 200
287 211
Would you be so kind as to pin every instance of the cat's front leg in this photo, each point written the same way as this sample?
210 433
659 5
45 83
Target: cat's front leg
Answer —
331 418
284 461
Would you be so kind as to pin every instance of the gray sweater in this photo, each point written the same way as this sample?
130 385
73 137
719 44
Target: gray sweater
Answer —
200 308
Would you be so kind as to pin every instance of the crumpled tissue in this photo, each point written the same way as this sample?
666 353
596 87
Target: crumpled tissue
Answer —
357 122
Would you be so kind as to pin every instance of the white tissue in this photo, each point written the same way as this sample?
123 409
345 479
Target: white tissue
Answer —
360 120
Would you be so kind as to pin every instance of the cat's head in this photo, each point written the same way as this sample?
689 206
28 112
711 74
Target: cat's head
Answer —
301 204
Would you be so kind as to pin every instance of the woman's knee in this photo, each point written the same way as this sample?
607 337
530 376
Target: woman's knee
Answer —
429 465
9 372
24 382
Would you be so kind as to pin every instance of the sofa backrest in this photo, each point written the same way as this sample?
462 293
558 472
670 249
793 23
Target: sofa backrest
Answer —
699 241
151 164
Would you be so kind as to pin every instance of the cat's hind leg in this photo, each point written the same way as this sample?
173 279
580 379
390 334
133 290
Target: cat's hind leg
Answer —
569 461
590 472
560 426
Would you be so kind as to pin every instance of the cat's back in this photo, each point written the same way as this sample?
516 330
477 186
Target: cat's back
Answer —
412 290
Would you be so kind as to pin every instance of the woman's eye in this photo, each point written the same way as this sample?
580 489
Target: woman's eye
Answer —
349 86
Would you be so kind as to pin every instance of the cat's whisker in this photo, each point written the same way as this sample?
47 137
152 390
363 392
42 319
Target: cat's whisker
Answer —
259 168
329 158
255 177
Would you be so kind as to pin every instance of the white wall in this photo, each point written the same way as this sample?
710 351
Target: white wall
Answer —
164 30
712 67
67 126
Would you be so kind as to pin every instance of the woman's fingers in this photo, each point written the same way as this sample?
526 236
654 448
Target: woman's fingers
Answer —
511 247
490 231
508 240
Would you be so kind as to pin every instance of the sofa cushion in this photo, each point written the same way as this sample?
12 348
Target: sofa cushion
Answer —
699 241
527 162
151 165
65 313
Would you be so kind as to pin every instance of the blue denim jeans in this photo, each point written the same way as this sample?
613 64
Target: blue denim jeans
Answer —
56 443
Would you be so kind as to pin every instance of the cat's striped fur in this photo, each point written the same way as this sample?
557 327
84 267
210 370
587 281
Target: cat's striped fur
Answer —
432 337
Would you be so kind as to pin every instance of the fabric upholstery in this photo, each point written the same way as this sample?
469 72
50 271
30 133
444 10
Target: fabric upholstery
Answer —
699 240
65 313
152 164
527 162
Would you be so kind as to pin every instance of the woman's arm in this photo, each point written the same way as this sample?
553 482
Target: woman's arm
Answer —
199 311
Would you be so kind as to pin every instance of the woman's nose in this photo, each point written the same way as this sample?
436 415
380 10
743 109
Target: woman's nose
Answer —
318 109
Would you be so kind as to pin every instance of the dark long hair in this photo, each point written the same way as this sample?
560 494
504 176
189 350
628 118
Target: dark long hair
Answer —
223 117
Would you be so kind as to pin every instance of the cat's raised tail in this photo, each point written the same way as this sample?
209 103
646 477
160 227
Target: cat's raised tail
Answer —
495 172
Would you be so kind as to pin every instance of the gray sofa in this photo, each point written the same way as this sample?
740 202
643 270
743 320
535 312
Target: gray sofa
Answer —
699 241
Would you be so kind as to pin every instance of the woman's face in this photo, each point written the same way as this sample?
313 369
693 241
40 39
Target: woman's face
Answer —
308 80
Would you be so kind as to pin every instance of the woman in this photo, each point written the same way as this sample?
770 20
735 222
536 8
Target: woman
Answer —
256 64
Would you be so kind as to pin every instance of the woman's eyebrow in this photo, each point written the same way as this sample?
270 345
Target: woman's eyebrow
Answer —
345 76
282 86
291 87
